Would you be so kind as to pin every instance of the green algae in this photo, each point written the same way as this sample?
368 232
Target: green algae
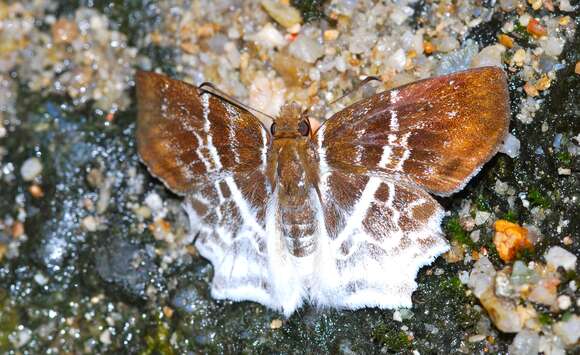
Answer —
455 231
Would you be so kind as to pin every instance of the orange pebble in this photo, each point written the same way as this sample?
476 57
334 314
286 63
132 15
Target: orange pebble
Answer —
510 238
536 29
506 41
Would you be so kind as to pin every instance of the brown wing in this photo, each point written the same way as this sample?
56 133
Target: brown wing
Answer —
188 139
438 132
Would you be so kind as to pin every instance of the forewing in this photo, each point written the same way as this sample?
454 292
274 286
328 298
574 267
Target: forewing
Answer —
438 132
215 154
188 138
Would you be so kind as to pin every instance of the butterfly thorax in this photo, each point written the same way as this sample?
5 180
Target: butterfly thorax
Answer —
292 164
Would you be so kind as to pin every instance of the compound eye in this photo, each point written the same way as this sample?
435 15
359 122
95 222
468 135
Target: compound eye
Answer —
304 128
273 128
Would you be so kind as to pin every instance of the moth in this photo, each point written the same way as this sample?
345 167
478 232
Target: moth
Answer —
341 217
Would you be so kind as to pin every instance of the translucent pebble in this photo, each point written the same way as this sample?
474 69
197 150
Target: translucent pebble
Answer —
481 277
306 48
558 256
510 146
568 330
489 56
31 168
525 342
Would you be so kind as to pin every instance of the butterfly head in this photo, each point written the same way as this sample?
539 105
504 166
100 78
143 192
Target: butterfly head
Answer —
291 123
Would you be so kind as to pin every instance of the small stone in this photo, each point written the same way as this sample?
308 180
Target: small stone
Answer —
306 48
476 338
525 342
267 95
268 37
276 324
154 202
481 217
168 311
475 235
40 279
545 291
36 191
20 337
508 5
31 168
502 311
564 302
568 330
535 28
564 171
553 46
90 223
330 35
558 256
489 56
577 68
506 40
509 238
531 90
510 146
519 57
397 316
105 337
522 275
286 15
565 6
64 31
482 276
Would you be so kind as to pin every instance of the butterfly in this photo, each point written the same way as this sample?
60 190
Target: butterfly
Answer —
340 217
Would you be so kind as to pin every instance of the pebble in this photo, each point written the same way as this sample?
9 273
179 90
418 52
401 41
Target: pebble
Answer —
568 330
558 256
154 202
489 56
306 48
276 324
31 168
525 342
481 277
509 238
564 302
545 291
286 15
510 146
476 338
90 223
481 217
268 37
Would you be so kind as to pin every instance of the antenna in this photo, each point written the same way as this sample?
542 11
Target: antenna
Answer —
232 100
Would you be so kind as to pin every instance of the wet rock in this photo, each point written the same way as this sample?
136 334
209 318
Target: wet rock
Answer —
189 299
125 265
